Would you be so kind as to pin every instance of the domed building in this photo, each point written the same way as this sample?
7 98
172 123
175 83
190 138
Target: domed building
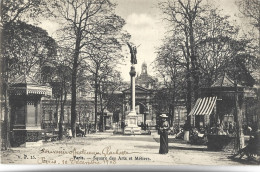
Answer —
145 80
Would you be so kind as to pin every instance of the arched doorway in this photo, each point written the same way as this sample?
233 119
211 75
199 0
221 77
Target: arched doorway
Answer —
143 111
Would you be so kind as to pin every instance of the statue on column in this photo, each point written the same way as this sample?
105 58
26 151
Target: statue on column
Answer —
133 53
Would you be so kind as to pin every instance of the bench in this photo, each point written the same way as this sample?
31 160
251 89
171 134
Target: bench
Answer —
50 135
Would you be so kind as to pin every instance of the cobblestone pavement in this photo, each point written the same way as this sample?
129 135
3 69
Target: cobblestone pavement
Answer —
109 149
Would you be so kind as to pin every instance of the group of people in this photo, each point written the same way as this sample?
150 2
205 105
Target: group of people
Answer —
144 126
80 131
221 129
252 148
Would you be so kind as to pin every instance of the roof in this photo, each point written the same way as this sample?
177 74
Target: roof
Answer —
26 85
144 79
224 81
24 79
137 89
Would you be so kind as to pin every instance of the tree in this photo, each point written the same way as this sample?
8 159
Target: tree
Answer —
183 15
201 43
12 13
100 66
65 73
170 69
25 50
206 45
105 53
60 80
250 9
109 84
84 24
217 45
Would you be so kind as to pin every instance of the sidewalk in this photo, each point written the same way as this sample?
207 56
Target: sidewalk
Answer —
109 149
34 155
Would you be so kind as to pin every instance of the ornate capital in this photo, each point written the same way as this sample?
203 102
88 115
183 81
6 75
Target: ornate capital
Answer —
132 72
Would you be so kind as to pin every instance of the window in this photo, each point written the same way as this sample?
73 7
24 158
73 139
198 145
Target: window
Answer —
20 115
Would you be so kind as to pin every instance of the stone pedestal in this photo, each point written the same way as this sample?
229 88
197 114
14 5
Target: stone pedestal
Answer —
131 124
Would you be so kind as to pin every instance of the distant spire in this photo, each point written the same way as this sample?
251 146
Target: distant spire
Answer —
144 68
144 63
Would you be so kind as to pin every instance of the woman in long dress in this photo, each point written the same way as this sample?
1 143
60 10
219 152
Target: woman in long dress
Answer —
164 135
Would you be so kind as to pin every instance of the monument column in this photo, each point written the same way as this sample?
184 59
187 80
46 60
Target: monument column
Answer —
131 118
132 74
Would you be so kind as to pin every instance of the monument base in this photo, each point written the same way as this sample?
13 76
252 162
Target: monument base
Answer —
132 127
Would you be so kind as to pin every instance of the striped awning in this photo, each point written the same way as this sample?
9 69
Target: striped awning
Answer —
203 106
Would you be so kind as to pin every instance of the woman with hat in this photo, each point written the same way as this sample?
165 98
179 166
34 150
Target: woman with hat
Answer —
164 134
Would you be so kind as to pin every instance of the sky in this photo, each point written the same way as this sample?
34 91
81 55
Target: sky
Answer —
146 30
145 25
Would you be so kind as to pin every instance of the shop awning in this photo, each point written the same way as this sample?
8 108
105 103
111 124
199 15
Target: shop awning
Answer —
203 106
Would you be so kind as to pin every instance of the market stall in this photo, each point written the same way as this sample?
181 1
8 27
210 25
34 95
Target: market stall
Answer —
221 110
25 103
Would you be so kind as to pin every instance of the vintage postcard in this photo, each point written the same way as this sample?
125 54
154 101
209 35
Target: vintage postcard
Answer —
150 83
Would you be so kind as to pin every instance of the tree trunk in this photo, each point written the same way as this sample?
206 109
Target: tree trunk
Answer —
239 121
101 127
145 120
173 114
188 102
73 105
193 58
60 126
173 99
62 111
74 90
56 111
188 77
170 115
6 127
102 112
96 96
258 110
4 76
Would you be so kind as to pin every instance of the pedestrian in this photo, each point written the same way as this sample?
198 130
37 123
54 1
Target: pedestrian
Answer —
186 129
69 133
164 134
89 127
249 129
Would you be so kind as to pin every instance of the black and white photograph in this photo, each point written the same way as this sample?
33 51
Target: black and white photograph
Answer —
108 83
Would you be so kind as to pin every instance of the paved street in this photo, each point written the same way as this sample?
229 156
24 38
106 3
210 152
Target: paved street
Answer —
109 149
